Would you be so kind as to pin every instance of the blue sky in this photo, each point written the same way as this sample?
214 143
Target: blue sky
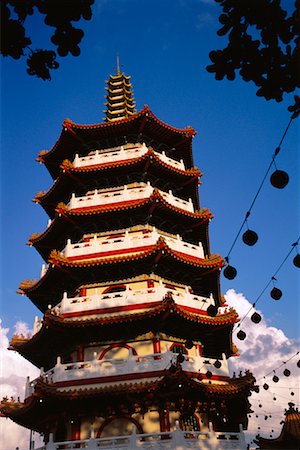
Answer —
164 46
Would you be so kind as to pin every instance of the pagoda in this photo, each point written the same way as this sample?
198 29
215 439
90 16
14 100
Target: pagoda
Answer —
135 336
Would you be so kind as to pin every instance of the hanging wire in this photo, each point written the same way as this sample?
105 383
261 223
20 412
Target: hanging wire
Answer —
268 284
279 367
277 150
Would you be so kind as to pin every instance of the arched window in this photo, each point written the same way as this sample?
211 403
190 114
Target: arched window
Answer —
118 426
115 288
179 348
113 351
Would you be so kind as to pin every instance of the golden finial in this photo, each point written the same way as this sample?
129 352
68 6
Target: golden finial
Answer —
118 65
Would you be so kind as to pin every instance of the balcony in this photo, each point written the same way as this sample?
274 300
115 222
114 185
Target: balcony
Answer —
122 153
176 439
114 301
128 241
123 194
133 365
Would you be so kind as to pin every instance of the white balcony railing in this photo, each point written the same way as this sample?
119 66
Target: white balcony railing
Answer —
115 300
136 191
133 365
129 241
169 440
121 153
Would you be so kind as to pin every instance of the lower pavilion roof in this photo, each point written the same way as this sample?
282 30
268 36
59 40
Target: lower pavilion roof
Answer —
167 316
289 438
65 275
176 386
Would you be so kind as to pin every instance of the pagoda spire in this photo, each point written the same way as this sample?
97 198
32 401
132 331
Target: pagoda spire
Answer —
120 103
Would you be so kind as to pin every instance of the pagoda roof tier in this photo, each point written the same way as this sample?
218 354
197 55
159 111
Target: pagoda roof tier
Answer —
289 437
144 126
64 274
155 210
165 316
176 387
158 171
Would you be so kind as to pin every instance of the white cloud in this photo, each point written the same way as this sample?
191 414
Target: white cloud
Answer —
13 371
264 350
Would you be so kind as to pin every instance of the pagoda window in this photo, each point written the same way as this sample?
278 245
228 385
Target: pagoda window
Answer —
179 348
119 426
190 423
116 288
112 351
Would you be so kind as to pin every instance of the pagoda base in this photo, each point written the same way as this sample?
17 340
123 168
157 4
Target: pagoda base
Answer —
170 440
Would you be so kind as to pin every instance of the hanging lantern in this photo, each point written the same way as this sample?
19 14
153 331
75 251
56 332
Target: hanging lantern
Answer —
256 318
180 358
275 379
212 310
296 260
250 237
217 364
189 344
230 272
266 386
241 335
208 374
279 179
276 293
286 372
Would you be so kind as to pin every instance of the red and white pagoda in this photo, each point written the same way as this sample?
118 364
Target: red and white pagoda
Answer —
134 340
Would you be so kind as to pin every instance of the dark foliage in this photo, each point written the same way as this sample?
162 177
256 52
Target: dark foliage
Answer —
263 46
58 14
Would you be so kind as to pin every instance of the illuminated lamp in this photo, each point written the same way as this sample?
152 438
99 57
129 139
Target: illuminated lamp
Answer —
212 310
286 372
276 293
275 379
230 272
208 374
256 318
296 260
241 335
279 179
217 364
250 237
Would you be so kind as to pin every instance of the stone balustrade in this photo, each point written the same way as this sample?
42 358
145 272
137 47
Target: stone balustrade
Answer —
123 194
122 153
87 303
129 241
134 364
171 440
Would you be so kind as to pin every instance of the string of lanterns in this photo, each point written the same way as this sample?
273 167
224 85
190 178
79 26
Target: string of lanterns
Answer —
279 179
275 293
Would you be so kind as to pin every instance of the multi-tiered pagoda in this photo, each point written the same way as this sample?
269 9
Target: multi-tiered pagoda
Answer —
134 340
